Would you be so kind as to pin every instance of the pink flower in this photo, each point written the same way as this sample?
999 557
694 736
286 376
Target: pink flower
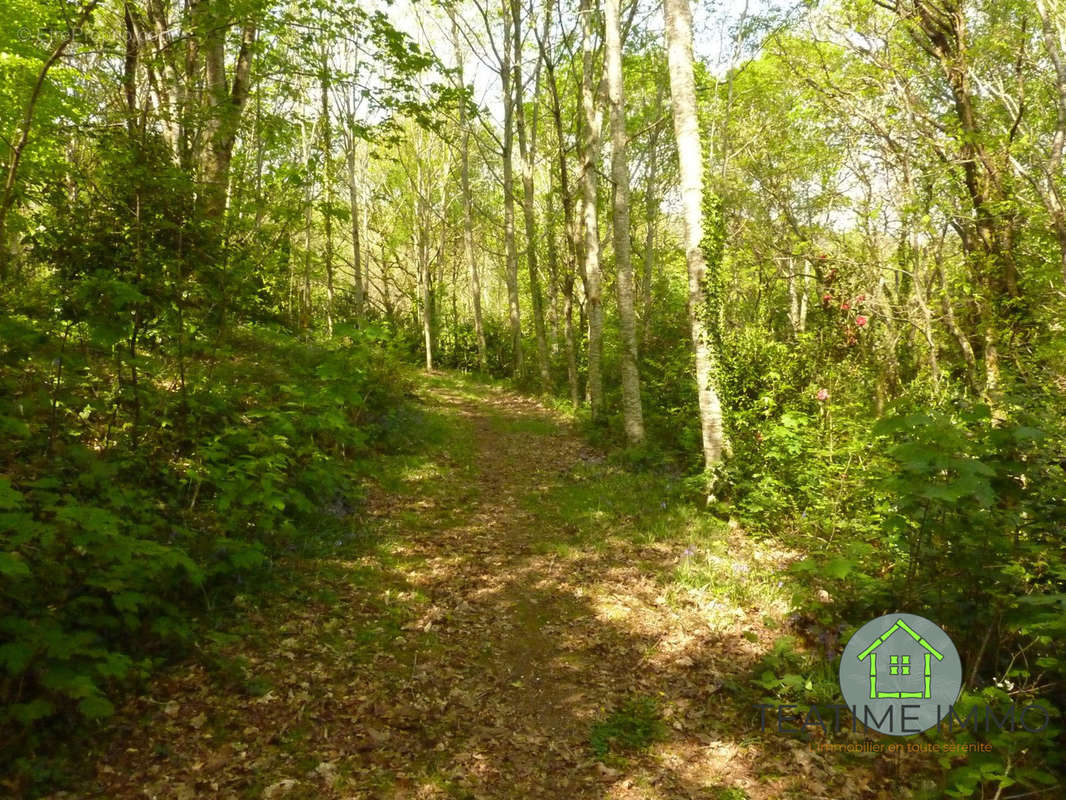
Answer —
861 320
845 306
827 298
860 299
823 395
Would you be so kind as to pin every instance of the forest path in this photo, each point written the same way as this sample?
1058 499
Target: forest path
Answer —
516 611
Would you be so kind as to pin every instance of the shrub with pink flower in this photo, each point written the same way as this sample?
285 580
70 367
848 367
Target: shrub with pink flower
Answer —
823 395
861 320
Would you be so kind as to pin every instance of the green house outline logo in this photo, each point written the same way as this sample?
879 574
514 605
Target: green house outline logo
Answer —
915 696
900 666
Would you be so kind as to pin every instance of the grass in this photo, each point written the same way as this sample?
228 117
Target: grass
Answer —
634 725
729 793
600 504
717 571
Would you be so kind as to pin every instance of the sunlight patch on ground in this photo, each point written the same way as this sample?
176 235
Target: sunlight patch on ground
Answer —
517 589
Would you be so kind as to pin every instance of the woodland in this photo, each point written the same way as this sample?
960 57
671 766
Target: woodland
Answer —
502 398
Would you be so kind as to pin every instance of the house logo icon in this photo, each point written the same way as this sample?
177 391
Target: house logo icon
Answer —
899 664
900 674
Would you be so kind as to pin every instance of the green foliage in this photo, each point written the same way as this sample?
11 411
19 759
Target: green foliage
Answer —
123 510
787 674
797 461
634 724
666 369
1019 758
964 526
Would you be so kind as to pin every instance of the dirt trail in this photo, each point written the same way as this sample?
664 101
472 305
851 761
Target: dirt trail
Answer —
468 654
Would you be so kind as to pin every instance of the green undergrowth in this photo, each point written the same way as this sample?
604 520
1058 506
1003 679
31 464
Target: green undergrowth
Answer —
600 502
633 725
140 494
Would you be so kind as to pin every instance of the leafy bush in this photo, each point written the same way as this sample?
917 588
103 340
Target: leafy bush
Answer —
123 510
969 516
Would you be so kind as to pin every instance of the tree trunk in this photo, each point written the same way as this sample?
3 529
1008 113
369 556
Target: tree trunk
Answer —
572 232
990 248
508 199
589 183
327 194
526 148
797 297
357 247
651 218
425 289
571 340
305 295
690 154
468 211
960 336
553 278
225 103
632 413
1054 30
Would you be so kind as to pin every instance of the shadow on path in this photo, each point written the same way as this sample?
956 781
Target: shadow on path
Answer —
469 655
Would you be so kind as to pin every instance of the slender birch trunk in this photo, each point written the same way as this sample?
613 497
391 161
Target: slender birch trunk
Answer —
468 212
357 246
309 199
327 193
573 230
589 183
651 218
632 413
421 246
508 197
526 148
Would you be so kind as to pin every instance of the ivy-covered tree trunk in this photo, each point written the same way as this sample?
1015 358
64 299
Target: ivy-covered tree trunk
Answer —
988 234
678 17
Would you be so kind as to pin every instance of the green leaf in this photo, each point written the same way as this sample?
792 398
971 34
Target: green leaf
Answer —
95 707
10 498
12 565
16 656
839 568
31 711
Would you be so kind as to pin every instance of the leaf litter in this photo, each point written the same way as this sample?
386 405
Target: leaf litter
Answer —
471 654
